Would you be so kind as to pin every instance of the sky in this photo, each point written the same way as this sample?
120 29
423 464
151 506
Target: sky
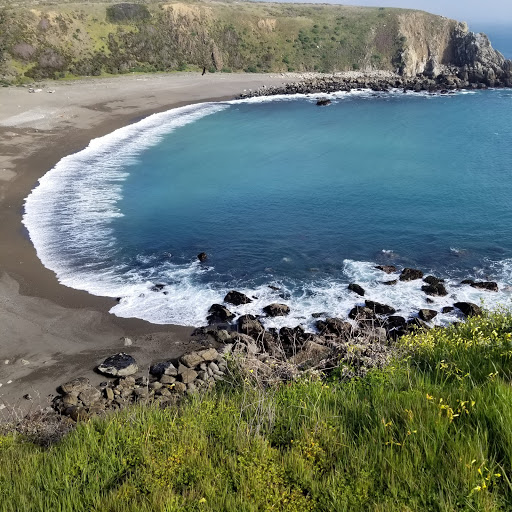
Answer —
472 11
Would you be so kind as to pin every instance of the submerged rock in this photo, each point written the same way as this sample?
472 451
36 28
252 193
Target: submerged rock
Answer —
202 256
389 269
353 287
486 285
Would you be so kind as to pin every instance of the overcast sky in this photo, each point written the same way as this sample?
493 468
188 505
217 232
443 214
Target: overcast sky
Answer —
472 11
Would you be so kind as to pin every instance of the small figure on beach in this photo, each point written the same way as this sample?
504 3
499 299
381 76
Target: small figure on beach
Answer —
204 71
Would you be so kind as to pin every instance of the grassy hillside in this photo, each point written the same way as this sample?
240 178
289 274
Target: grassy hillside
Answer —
52 40
432 432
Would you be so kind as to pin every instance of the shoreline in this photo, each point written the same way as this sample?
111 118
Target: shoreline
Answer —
53 331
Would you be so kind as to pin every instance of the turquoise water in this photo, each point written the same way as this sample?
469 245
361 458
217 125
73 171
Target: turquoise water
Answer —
287 194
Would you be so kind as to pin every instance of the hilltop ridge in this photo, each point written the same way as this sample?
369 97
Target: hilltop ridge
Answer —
63 39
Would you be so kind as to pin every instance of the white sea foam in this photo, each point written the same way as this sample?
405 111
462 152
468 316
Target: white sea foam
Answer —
75 203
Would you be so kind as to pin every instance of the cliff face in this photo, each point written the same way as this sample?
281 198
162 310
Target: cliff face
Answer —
434 46
93 38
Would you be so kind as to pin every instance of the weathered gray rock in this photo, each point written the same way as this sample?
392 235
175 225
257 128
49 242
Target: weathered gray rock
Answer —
209 354
109 394
187 375
76 385
191 360
167 379
118 365
89 396
70 399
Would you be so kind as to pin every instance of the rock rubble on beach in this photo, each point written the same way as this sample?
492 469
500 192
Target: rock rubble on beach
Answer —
351 346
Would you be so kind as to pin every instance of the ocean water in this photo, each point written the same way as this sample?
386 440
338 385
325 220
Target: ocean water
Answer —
281 193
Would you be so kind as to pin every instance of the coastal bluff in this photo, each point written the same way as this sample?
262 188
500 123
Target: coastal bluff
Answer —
64 40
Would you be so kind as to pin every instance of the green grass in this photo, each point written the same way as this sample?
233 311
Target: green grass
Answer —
431 432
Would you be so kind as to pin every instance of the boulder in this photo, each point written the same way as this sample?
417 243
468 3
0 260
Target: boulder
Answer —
69 400
191 360
334 326
416 323
467 281
468 308
390 283
163 368
209 354
76 385
202 256
486 285
410 274
323 102
118 365
433 280
362 313
389 269
187 375
395 321
236 298
219 314
436 290
89 396
311 354
292 335
380 309
447 309
356 289
250 325
427 314
276 309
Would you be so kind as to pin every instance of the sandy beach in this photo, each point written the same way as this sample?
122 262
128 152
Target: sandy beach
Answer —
50 333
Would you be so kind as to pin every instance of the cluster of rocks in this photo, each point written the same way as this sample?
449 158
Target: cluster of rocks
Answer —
163 383
443 83
372 314
351 346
